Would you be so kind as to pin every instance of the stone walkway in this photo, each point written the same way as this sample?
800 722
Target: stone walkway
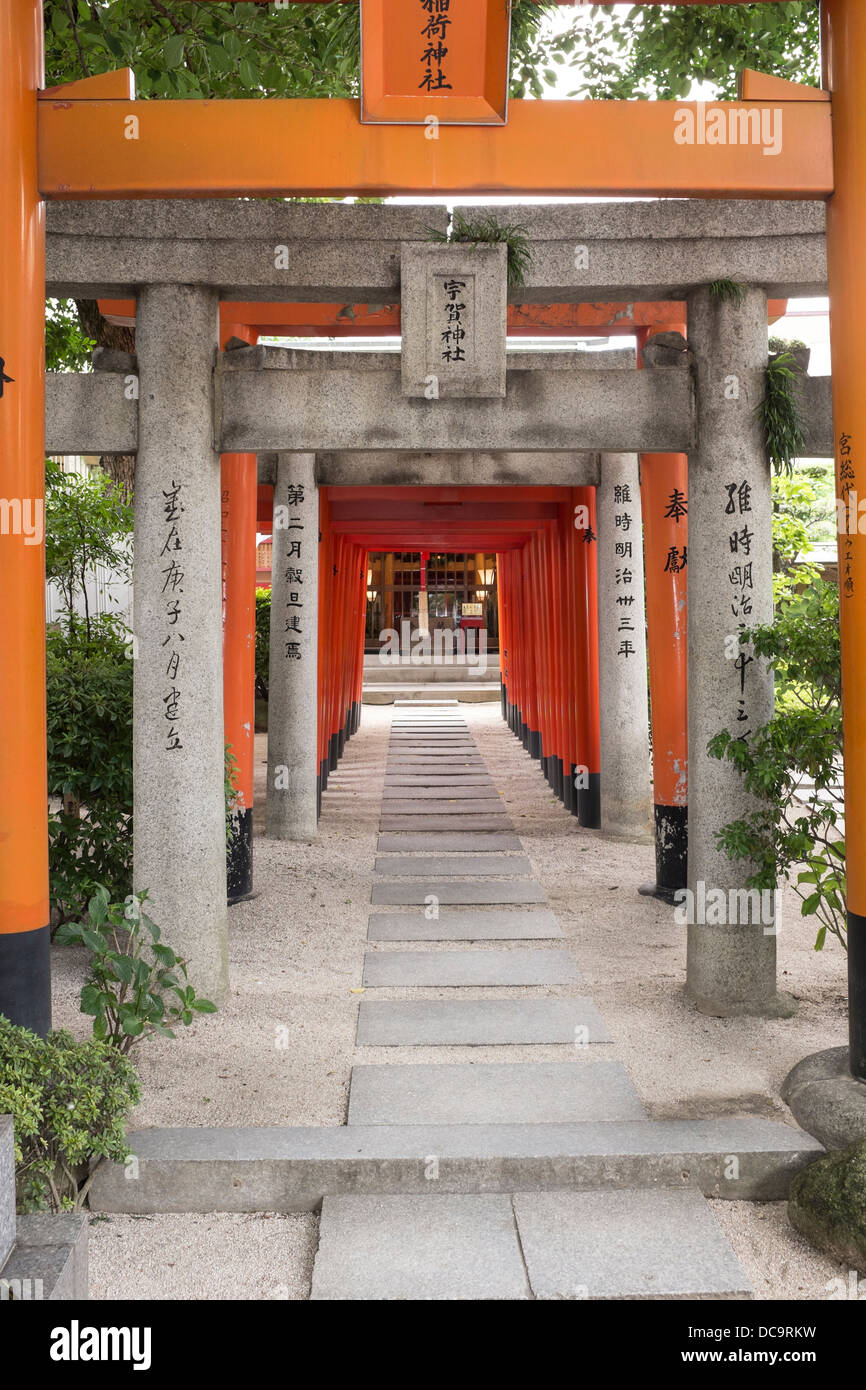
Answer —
451 870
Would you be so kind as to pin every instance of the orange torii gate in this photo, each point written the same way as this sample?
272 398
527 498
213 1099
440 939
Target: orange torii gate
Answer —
90 140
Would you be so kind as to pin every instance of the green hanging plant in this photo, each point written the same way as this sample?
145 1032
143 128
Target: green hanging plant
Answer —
784 433
727 292
485 230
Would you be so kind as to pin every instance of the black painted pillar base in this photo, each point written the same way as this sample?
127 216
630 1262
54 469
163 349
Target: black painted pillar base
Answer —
239 859
535 749
25 979
856 994
589 802
319 797
341 742
324 773
333 754
558 778
672 853
569 792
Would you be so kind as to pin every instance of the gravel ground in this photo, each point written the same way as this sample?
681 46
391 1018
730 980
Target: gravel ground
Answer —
217 1256
296 960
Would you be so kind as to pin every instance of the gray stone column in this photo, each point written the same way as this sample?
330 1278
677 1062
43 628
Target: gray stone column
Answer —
293 671
731 958
178 739
626 787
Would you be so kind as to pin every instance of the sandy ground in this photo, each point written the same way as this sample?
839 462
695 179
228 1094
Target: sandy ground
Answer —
217 1256
296 958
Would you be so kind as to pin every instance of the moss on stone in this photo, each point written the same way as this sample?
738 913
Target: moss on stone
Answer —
827 1205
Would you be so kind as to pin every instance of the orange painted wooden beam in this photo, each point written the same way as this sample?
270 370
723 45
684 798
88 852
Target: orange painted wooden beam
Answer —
186 149
529 320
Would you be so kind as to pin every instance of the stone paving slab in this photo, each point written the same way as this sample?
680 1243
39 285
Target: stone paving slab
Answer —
478 1022
453 865
272 1168
430 743
453 792
493 1093
638 1244
415 894
442 841
468 969
439 767
464 926
427 758
433 1246
421 823
405 806
459 777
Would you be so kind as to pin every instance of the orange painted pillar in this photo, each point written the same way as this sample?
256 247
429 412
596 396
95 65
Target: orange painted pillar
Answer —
239 488
664 502
844 49
25 974
587 771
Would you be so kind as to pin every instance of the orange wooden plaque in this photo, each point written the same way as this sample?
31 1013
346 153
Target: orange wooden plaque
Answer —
447 59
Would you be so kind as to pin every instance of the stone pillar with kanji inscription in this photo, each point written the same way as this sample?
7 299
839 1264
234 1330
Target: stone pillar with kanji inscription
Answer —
626 787
178 736
731 932
293 670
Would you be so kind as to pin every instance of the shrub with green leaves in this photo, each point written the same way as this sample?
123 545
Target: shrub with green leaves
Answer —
137 985
793 765
69 1102
263 641
89 707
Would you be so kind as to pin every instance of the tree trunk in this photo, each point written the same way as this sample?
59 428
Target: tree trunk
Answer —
119 467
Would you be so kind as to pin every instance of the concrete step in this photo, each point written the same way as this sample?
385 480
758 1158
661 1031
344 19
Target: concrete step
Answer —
554 1245
468 969
478 1022
504 925
515 891
404 842
467 692
453 791
452 865
423 822
745 1158
494 1093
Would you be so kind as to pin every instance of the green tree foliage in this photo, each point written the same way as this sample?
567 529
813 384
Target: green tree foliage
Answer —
89 696
67 346
69 1102
87 522
661 52
214 50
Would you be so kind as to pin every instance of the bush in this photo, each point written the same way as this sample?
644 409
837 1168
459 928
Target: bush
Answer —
796 827
69 1102
137 985
263 641
89 703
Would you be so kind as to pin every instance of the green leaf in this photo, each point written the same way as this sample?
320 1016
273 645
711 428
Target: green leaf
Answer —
173 51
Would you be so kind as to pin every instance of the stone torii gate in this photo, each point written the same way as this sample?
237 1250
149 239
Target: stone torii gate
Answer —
77 145
342 422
